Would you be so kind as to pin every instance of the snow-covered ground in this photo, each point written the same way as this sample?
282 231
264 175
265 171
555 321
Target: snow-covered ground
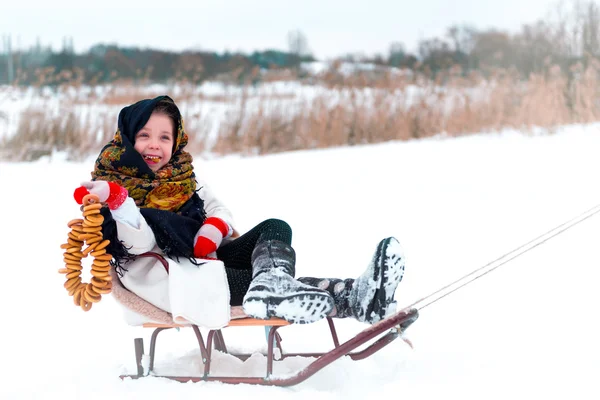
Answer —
527 330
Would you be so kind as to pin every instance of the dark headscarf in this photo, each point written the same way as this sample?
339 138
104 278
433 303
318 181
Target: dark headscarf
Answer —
167 198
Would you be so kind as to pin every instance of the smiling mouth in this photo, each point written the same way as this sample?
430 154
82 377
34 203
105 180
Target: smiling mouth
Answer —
154 159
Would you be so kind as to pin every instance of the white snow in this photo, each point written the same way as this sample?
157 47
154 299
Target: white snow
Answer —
527 330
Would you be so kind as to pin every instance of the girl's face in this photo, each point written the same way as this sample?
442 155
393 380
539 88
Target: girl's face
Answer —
155 141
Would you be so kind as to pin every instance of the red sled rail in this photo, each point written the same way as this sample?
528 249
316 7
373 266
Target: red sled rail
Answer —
391 328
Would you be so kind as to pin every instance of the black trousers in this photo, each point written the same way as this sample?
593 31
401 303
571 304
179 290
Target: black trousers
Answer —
236 255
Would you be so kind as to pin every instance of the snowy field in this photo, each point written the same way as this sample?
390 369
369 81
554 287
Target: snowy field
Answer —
527 330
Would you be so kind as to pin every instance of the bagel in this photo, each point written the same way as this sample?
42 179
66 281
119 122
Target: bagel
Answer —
73 249
100 263
104 257
70 256
88 249
102 245
91 212
73 267
94 218
73 222
102 291
101 269
99 283
92 229
85 305
96 238
91 296
72 282
99 274
86 236
92 206
73 236
97 253
73 274
77 296
73 242
73 290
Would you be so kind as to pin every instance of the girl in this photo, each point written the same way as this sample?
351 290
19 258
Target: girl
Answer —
157 209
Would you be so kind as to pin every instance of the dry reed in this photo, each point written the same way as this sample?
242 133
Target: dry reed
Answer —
346 110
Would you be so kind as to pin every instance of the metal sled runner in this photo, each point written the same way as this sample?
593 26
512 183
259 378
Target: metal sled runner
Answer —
387 330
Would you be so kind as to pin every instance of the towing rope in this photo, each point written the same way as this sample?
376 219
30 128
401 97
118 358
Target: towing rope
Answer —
511 255
87 231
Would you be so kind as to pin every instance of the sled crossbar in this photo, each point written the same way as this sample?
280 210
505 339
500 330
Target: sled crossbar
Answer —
388 329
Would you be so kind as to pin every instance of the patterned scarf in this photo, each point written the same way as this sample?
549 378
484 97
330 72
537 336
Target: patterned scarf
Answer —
167 189
167 198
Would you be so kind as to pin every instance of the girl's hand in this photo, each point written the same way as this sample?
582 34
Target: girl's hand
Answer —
108 192
209 237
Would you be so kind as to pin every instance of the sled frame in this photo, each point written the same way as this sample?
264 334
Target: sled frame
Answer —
391 327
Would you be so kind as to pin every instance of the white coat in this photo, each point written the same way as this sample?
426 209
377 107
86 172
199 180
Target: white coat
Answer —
146 276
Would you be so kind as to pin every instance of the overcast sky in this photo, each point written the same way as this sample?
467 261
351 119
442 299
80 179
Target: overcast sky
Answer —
332 27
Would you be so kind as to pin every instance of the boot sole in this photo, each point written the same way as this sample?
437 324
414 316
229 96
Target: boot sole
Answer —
377 268
298 308
391 267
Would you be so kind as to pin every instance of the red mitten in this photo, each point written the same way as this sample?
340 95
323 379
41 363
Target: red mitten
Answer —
209 237
108 192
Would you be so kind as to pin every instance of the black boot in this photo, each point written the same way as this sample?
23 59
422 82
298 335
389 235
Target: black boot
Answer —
274 292
370 297
340 291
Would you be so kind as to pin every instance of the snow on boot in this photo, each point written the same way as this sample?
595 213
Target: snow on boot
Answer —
274 292
372 296
340 291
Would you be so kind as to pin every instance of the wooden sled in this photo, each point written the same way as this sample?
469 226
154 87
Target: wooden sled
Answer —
385 331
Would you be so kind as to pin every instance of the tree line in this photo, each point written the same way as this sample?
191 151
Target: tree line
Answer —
107 63
568 35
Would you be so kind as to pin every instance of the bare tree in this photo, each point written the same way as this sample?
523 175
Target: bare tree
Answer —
576 28
9 58
493 48
432 48
298 43
399 57
535 48
591 29
462 37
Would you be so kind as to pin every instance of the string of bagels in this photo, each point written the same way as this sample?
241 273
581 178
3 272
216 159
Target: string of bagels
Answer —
85 239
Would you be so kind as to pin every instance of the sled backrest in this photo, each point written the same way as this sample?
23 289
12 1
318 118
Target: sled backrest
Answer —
136 306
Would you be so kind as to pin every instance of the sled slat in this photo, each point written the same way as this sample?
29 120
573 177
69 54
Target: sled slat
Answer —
233 322
258 322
